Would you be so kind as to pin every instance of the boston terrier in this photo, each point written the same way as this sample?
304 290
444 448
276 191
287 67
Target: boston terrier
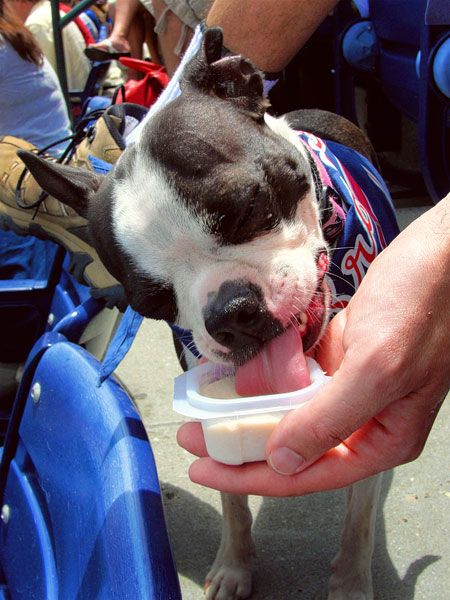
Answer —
220 219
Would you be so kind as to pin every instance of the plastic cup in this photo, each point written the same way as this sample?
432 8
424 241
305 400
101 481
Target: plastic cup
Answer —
236 429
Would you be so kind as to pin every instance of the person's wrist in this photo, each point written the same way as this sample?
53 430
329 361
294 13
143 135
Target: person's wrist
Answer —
445 203
440 229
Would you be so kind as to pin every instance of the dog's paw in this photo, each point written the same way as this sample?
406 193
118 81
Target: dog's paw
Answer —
228 582
351 578
353 588
353 595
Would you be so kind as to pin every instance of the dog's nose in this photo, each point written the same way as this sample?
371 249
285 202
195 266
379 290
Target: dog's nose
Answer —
236 317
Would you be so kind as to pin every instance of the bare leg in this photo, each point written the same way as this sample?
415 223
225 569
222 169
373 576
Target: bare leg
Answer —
133 25
136 38
168 40
124 14
352 579
230 576
151 39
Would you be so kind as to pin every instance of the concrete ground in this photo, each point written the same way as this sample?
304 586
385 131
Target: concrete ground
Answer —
296 538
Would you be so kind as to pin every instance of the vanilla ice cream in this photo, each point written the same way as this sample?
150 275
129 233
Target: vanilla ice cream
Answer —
236 428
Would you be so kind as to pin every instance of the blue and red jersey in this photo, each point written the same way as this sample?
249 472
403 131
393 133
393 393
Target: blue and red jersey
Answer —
358 216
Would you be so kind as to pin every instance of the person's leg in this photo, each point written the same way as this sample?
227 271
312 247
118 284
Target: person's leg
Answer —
136 37
151 38
125 12
173 37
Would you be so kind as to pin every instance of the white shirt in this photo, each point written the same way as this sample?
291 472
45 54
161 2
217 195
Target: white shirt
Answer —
78 66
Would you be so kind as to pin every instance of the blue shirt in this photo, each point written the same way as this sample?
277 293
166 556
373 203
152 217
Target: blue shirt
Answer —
32 106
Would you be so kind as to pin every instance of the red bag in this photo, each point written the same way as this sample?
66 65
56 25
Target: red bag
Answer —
144 91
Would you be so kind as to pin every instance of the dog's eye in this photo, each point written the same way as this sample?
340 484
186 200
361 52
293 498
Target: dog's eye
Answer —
289 193
254 201
257 217
262 210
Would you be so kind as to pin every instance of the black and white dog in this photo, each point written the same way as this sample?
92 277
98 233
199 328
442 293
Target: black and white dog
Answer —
211 220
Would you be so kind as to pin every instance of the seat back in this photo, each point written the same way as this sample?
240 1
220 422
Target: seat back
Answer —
84 511
398 27
407 54
52 301
29 307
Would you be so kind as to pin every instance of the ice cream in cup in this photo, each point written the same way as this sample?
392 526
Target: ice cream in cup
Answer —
239 408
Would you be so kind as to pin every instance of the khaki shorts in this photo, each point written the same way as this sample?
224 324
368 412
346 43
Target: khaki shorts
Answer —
190 12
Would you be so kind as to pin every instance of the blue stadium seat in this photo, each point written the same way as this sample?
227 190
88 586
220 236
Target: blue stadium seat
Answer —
405 46
82 516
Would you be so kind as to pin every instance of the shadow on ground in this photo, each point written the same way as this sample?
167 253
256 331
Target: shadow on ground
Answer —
296 539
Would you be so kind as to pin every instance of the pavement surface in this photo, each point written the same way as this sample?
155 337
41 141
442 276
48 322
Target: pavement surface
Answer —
296 538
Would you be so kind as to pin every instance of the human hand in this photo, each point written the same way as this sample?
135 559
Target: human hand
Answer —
377 410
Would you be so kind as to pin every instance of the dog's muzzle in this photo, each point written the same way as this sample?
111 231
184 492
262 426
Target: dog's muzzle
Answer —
236 317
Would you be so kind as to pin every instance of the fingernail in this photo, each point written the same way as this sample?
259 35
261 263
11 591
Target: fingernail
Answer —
285 461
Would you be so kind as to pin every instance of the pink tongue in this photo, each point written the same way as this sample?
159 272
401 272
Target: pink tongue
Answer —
279 368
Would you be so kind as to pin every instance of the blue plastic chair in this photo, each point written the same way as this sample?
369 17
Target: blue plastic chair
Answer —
81 510
39 298
30 307
81 515
403 45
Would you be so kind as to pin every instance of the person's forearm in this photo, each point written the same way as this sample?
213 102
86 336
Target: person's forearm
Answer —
441 219
434 229
269 33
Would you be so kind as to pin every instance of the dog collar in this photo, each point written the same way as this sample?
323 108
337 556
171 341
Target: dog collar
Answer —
332 214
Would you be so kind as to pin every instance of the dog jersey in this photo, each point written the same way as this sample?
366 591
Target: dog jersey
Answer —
357 214
358 222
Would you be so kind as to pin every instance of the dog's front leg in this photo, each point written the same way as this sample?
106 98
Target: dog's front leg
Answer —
352 578
230 577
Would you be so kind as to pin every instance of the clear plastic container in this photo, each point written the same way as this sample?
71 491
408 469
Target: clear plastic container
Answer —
236 429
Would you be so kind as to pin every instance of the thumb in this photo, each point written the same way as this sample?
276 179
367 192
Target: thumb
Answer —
335 412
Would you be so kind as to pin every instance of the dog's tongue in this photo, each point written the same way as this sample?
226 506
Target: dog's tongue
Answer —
279 368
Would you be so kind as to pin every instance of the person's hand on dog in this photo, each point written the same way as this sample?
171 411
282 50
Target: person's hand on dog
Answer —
389 351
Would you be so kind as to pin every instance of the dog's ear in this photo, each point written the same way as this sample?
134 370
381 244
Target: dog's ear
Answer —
72 186
232 78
